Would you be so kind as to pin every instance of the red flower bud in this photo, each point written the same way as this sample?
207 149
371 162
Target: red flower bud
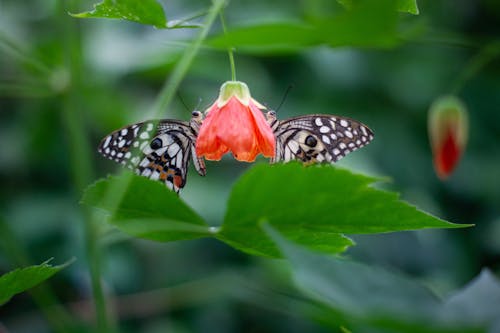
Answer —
235 123
448 129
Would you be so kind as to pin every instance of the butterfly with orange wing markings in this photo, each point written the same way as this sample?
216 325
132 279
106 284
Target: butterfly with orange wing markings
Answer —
316 138
159 150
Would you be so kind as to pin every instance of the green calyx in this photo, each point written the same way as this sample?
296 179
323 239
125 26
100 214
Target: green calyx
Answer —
448 113
234 88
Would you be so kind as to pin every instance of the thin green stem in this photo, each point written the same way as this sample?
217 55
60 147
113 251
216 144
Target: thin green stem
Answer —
485 55
81 155
229 49
170 86
17 52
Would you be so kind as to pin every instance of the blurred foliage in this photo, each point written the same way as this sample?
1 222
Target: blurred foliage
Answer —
22 279
67 82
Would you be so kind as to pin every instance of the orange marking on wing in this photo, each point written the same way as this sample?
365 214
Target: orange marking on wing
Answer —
178 181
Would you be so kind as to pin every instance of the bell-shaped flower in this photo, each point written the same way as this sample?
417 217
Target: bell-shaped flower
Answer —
235 123
448 131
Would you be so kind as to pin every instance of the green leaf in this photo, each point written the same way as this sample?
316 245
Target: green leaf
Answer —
478 303
145 208
370 23
22 279
316 204
360 290
409 6
144 11
374 297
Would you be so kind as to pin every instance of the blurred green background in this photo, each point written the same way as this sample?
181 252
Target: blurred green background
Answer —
203 285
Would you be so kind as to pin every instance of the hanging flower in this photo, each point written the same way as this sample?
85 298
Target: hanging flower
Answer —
235 123
448 129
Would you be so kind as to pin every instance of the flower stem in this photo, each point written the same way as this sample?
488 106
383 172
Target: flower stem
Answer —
229 49
486 54
170 86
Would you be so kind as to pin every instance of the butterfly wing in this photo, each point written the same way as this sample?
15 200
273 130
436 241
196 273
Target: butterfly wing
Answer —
159 150
318 138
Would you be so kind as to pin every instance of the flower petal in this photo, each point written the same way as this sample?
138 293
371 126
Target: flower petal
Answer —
235 123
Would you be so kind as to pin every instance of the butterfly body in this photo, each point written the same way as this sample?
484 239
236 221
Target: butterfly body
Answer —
159 150
317 138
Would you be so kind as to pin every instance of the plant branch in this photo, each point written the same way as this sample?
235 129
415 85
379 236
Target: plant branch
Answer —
170 86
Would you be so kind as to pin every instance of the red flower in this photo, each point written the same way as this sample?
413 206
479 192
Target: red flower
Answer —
448 126
235 123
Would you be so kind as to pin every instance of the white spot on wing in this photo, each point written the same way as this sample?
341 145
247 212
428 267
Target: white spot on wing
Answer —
332 124
144 135
294 146
324 129
155 175
343 123
173 149
348 134
106 142
336 151
135 160
325 139
318 122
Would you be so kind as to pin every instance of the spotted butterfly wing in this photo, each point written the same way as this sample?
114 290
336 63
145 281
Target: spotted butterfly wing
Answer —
159 150
317 138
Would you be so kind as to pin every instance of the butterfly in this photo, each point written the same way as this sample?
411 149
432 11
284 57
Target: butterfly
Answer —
159 150
316 138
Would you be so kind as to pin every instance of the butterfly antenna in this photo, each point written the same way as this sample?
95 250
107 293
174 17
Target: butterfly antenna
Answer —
284 96
199 103
182 101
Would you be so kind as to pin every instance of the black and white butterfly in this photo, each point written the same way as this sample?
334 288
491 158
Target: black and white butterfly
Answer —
159 150
316 138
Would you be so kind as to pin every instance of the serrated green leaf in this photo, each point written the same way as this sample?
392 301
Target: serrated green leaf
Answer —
145 208
408 6
22 279
360 290
375 297
369 23
316 204
148 12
